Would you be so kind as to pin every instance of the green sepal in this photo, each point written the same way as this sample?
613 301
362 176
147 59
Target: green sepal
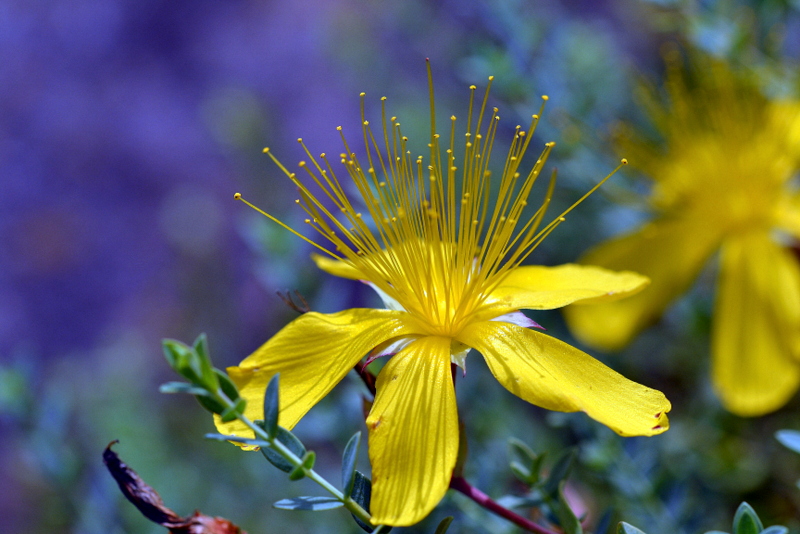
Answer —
444 524
313 504
625 528
232 412
361 493
208 378
525 464
183 387
349 458
746 520
183 360
290 441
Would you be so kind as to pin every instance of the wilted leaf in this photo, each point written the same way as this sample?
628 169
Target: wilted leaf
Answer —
149 503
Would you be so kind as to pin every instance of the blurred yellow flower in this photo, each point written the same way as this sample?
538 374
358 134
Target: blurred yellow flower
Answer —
721 182
446 261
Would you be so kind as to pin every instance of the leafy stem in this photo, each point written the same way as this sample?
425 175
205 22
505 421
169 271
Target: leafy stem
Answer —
299 464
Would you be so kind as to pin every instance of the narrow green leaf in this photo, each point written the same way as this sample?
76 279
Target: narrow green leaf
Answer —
271 406
361 493
521 472
789 439
521 452
237 439
349 458
625 528
775 529
444 525
182 387
291 442
231 413
566 517
313 504
746 520
560 472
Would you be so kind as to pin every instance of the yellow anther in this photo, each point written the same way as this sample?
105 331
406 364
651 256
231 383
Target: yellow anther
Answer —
545 98
237 196
624 161
266 149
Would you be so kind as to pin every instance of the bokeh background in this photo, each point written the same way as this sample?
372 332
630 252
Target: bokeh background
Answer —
126 127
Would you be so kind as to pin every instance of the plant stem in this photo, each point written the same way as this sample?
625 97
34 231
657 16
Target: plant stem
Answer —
292 458
461 485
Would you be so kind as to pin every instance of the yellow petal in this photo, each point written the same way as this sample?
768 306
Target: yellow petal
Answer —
537 287
554 375
312 354
671 252
756 326
413 433
340 268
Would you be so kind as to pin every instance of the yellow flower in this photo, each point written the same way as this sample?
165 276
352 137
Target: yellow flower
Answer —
720 183
446 261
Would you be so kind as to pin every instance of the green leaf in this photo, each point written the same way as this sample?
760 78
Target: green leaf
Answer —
444 525
789 439
625 528
566 517
361 493
271 406
559 472
231 413
291 442
775 529
237 439
183 387
349 458
746 520
314 504
207 375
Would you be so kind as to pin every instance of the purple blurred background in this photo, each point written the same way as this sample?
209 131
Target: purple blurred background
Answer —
125 129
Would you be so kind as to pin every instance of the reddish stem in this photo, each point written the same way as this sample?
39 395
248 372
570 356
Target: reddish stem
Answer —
368 378
461 485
